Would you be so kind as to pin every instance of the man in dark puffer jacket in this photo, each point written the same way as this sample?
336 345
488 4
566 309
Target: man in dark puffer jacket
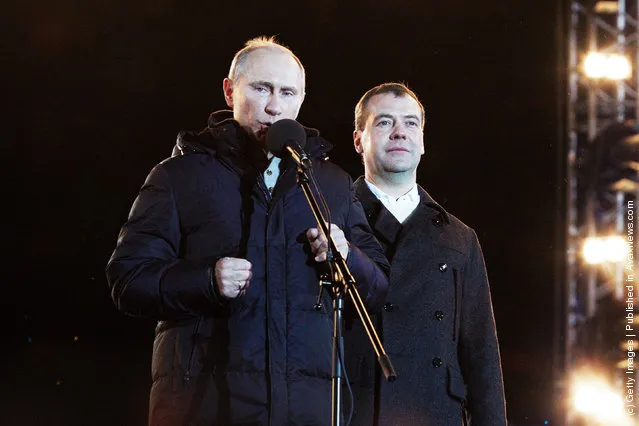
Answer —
222 249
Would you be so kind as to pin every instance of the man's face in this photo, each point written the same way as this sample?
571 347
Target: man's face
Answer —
269 89
392 140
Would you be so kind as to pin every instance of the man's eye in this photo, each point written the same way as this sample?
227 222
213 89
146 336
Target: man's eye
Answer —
261 89
289 93
412 123
383 123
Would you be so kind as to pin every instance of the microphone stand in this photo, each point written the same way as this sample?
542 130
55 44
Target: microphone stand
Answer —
342 282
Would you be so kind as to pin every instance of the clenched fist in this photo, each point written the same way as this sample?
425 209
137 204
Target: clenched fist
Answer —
232 276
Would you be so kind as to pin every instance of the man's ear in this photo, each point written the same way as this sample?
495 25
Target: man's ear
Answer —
227 87
357 141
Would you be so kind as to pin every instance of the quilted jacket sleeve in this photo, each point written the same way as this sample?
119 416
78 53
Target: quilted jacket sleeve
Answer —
145 274
366 259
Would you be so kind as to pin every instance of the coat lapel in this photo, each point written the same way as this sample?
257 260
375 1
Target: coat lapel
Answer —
384 224
426 222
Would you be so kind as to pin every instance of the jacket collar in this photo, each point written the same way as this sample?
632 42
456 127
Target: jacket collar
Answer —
373 207
385 226
224 135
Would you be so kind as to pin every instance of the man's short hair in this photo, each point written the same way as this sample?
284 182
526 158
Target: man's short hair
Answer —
397 89
262 42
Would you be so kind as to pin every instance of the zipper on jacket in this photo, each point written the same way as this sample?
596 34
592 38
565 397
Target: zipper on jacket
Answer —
196 328
262 185
260 178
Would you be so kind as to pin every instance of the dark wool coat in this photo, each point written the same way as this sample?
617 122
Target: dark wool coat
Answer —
437 325
263 358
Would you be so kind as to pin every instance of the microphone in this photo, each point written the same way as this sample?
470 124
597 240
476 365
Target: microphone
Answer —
288 135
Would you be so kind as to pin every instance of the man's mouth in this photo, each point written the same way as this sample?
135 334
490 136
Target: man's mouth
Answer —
397 149
263 128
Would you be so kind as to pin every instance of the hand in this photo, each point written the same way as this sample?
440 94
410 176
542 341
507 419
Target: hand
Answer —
319 244
232 276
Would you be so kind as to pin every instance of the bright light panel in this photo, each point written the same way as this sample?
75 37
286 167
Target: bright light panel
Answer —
593 397
598 250
610 66
606 7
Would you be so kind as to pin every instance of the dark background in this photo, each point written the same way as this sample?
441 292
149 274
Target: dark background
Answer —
96 92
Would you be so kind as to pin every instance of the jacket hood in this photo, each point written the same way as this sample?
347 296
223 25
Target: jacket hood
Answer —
224 133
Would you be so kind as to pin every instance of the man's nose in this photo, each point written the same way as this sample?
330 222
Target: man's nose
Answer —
274 105
399 132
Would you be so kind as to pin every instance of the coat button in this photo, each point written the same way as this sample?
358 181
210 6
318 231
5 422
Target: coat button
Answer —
437 362
389 307
437 221
443 267
439 315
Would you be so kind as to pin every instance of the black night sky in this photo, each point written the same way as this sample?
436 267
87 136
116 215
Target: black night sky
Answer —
96 91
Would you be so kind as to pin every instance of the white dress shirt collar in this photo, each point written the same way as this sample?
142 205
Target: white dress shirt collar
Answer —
400 207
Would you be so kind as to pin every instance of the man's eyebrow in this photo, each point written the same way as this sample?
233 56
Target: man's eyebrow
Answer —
392 117
262 83
413 116
384 115
289 88
271 86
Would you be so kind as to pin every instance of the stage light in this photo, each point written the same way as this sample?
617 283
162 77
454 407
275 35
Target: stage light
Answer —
618 67
606 7
597 250
595 65
617 248
629 345
593 251
594 398
610 66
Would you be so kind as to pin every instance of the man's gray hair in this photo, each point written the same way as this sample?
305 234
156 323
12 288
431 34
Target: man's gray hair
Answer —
262 42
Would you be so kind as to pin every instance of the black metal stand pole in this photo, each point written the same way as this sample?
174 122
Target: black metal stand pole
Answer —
338 356
342 283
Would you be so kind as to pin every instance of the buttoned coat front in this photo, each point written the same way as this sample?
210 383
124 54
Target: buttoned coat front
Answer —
437 325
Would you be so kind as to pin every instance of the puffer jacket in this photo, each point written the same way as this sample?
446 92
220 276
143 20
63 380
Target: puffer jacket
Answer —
263 358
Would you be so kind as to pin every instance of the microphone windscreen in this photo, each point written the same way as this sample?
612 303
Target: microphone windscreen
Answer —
285 132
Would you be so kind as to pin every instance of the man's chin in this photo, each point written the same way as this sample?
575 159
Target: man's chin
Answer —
399 168
257 135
